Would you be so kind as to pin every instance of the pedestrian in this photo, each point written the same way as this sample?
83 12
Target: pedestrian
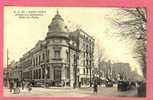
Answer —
11 85
95 87
16 86
17 83
79 84
29 86
23 84
74 85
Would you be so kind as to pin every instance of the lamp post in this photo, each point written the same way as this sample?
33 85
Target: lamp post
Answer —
8 69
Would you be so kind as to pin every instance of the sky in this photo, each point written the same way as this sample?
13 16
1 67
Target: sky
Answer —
21 34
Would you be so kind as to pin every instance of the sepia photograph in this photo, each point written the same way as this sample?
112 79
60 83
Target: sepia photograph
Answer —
75 51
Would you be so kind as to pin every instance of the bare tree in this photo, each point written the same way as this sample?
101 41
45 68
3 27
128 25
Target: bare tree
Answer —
131 23
99 51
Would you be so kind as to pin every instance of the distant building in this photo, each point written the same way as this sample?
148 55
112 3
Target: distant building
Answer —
121 71
117 71
62 58
105 69
12 72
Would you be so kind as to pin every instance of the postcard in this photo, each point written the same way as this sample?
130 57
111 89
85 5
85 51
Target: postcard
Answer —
76 51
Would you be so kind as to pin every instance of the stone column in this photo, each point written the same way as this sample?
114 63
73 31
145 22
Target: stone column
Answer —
32 74
38 73
63 72
71 76
51 73
66 79
41 73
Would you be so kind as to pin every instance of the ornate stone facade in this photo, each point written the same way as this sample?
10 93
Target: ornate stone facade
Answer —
63 58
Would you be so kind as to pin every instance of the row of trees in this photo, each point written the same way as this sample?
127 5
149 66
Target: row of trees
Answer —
131 23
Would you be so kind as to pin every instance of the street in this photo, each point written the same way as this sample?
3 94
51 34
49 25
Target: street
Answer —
70 92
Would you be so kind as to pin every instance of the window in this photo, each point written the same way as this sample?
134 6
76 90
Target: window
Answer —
43 56
87 61
39 73
67 56
84 62
48 53
84 71
86 48
57 74
87 70
68 73
48 70
57 53
30 61
33 62
36 60
84 54
90 63
39 59
43 71
74 58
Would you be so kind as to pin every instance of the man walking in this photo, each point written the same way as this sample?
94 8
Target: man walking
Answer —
23 84
95 87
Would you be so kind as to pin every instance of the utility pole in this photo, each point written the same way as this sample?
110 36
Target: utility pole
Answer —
7 57
7 73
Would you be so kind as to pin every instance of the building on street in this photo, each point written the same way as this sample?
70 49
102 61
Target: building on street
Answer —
62 58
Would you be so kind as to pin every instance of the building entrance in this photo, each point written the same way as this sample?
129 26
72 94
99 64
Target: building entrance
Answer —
57 76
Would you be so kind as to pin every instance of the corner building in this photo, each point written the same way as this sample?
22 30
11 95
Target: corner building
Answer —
63 58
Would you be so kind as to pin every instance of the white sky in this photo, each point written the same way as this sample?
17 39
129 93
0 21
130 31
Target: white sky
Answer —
20 35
